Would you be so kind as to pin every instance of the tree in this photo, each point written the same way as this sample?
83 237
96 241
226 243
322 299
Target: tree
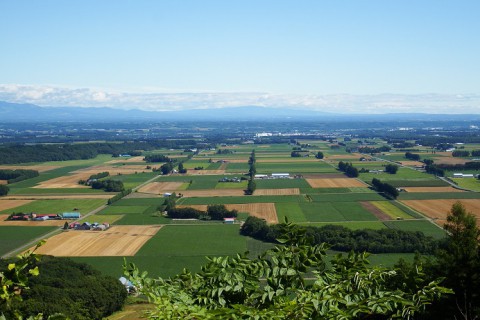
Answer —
391 168
181 168
275 286
251 187
459 263
4 190
166 168
319 155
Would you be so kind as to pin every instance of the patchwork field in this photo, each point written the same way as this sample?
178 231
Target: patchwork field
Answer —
440 208
126 160
114 170
265 211
59 196
116 241
160 187
204 172
335 183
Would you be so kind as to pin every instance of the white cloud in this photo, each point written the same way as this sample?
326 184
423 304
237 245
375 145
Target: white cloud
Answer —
56 96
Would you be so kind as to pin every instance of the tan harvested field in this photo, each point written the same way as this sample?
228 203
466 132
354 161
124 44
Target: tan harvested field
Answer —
122 160
116 241
261 210
47 223
115 170
324 176
277 192
65 182
39 168
432 189
439 208
335 183
7 204
3 181
213 193
411 163
160 187
450 160
59 196
204 172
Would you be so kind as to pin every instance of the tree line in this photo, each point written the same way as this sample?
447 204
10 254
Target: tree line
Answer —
348 169
21 153
17 175
343 239
214 212
386 188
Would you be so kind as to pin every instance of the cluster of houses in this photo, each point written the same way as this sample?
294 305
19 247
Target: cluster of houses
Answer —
47 216
89 226
273 176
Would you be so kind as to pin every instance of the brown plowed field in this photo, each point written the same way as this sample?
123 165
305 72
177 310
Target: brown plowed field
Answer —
450 160
335 183
116 241
276 192
375 211
47 223
59 196
160 187
432 189
440 208
213 193
411 163
3 181
66 182
204 172
7 204
132 159
39 168
261 210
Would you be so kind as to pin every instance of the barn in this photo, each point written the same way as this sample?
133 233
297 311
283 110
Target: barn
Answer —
71 215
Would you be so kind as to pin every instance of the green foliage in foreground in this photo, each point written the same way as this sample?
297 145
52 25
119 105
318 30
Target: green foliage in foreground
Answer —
275 286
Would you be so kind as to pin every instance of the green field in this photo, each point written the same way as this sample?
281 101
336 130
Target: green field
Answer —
58 206
294 167
14 237
281 183
468 183
431 182
335 212
354 225
428 228
135 214
131 181
232 185
341 197
291 210
239 199
438 195
402 173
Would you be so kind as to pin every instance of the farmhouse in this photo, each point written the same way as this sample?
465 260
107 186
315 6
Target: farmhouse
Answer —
229 220
463 175
261 176
280 175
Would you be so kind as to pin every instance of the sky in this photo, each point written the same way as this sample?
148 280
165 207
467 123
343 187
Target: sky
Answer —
176 54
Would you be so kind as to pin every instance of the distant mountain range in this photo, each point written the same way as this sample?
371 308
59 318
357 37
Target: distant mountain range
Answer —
15 112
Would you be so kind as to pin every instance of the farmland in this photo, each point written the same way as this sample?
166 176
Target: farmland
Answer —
314 194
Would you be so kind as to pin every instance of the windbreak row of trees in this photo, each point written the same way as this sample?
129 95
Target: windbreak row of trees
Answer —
386 188
348 168
15 153
214 212
17 175
343 239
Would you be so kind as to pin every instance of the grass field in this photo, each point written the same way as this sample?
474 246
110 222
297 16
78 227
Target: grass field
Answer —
291 210
402 173
468 183
432 182
354 225
14 237
335 212
58 206
130 181
232 185
292 167
281 183
340 197
428 228
438 195
135 214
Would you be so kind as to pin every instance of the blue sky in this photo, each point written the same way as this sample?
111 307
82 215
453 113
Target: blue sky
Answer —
299 48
